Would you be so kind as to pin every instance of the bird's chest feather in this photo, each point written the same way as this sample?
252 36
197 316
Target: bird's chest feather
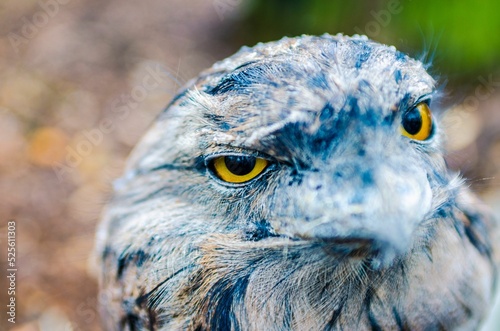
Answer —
297 185
443 288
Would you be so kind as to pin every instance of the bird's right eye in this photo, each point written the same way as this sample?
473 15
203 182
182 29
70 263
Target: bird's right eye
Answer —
417 122
237 169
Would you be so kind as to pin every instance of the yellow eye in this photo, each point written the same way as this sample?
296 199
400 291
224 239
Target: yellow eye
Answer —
417 122
238 168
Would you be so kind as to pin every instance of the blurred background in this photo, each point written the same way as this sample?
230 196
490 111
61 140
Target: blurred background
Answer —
74 101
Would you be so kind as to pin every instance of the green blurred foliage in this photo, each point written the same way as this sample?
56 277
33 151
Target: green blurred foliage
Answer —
461 36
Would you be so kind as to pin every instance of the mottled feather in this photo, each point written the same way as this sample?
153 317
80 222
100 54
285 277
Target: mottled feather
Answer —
352 226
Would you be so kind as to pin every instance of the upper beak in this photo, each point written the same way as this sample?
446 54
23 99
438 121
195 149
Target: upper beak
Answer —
375 221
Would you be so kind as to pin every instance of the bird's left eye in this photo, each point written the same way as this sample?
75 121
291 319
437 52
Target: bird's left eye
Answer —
238 169
417 122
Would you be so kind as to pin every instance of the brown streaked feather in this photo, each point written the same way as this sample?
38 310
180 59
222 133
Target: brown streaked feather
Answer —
351 226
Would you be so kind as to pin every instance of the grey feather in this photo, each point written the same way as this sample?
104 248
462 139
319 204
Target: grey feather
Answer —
352 226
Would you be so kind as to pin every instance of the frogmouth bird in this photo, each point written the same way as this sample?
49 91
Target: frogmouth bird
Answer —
297 185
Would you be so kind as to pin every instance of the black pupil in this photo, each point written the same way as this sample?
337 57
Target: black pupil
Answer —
240 165
412 121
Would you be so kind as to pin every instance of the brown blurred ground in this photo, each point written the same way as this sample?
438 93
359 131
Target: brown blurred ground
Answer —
60 80
66 78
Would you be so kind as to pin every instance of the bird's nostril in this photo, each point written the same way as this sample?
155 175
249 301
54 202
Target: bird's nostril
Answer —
338 174
367 178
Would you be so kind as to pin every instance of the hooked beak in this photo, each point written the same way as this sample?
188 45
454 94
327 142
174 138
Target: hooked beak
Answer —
375 222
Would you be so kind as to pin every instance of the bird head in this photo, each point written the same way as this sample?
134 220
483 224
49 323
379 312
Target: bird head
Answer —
296 182
319 139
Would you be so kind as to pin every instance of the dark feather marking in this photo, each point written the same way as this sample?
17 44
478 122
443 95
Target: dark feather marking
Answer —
427 249
170 167
460 299
335 316
174 100
138 257
130 320
222 297
404 104
106 252
440 327
365 86
363 54
288 317
401 321
401 57
242 79
325 289
476 233
259 230
404 278
389 119
246 64
397 76
326 113
352 109
296 175
153 321
459 226
318 81
328 132
370 295
151 303
367 179
373 322
218 120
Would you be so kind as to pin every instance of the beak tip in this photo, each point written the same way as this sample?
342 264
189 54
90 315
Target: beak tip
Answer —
388 251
